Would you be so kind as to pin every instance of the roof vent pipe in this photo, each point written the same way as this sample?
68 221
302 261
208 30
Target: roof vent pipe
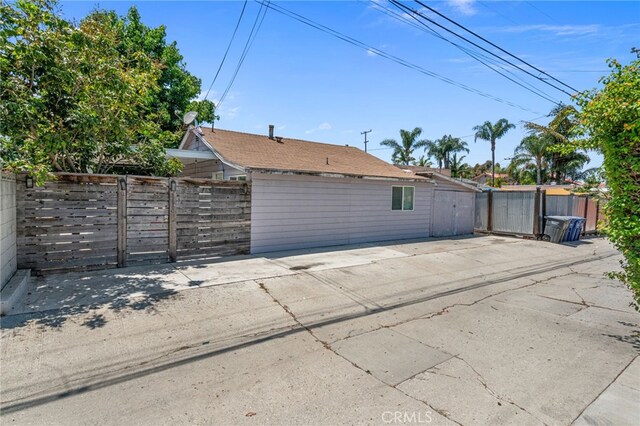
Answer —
271 127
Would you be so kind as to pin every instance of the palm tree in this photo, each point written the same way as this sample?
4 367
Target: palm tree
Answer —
493 132
441 149
402 153
422 162
458 168
562 127
436 150
533 150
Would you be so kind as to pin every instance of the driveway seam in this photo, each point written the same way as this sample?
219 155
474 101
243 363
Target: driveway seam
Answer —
606 387
328 347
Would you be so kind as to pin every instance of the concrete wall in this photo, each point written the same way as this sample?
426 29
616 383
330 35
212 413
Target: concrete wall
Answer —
289 212
8 260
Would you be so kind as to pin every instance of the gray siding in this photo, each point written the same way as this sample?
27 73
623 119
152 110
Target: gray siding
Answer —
290 212
8 261
205 170
194 144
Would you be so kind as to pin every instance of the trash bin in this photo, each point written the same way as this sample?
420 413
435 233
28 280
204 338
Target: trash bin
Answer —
568 234
576 228
555 227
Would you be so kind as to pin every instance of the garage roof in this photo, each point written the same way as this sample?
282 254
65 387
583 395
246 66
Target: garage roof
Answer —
261 153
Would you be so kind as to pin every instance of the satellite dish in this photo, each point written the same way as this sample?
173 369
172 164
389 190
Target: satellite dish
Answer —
189 117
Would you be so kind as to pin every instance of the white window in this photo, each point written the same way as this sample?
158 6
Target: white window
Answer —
239 177
402 197
217 175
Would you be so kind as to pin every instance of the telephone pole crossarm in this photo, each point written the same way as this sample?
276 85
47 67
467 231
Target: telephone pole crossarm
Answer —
365 138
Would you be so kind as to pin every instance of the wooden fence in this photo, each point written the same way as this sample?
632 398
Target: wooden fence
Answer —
82 222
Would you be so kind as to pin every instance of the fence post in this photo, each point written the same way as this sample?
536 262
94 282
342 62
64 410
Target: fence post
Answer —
586 213
536 213
595 228
490 211
122 221
173 246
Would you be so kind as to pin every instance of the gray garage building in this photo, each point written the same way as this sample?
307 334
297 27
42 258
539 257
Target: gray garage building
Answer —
308 194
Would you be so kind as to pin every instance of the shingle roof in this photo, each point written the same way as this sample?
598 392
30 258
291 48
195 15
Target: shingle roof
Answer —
259 152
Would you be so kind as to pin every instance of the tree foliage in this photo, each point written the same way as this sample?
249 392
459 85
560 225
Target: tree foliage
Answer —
442 149
563 128
532 152
403 151
491 132
101 96
610 123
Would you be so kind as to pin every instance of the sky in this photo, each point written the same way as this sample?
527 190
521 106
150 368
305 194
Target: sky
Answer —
316 87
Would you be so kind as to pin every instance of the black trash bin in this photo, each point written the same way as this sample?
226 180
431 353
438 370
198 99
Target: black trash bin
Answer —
555 227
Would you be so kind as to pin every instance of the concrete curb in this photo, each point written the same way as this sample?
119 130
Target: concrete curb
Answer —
13 291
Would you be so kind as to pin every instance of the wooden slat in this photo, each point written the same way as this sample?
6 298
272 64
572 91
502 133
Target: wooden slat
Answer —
84 222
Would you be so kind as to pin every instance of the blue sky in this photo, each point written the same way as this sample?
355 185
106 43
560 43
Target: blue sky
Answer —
315 87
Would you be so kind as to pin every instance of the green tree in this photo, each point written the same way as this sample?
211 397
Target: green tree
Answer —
533 150
491 133
458 168
70 100
176 87
442 149
610 123
422 162
403 151
563 127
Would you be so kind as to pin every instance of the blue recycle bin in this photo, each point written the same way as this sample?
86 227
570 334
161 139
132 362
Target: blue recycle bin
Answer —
574 228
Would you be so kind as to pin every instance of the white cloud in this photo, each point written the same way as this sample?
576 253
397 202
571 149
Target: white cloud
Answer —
323 126
228 113
464 7
371 53
559 30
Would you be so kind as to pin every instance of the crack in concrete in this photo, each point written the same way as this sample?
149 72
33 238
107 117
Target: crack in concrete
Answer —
446 308
328 347
494 394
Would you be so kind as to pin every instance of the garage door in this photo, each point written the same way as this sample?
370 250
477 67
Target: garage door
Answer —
452 213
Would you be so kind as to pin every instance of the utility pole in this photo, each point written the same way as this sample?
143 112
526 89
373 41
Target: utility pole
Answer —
365 138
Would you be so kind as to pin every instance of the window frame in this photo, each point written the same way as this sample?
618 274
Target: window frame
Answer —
214 175
413 201
237 178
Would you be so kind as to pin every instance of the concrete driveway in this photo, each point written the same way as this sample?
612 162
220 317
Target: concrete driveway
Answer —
482 330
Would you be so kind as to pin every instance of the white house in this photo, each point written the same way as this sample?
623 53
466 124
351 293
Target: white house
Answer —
309 194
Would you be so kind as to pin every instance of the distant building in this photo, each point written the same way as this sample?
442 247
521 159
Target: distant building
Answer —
485 178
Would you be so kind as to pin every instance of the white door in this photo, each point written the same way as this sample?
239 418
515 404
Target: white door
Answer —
452 213
464 213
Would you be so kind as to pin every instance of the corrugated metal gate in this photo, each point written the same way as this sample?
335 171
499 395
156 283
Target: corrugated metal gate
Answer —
523 212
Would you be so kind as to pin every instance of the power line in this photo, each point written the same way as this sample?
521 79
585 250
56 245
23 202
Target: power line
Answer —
473 54
228 47
252 36
407 8
494 45
543 13
466 50
389 56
